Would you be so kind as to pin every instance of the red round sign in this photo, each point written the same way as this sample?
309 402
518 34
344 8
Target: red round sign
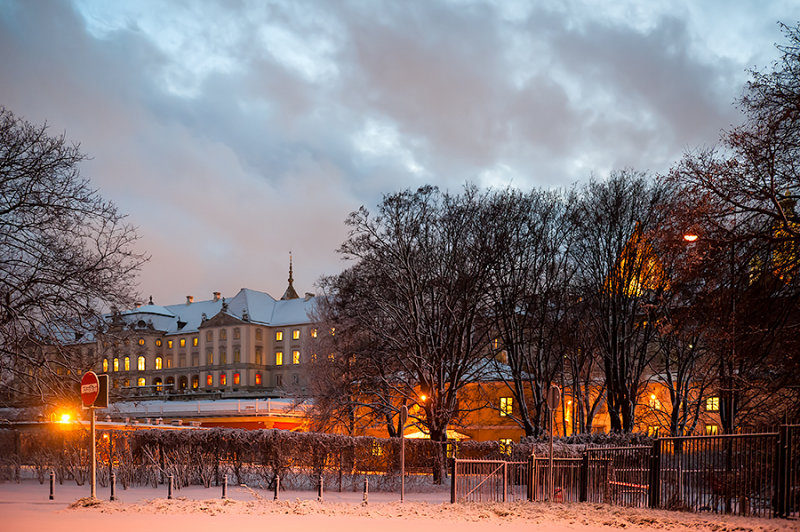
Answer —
90 388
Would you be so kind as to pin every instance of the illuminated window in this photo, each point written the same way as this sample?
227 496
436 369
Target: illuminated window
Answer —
237 355
331 357
158 342
169 344
159 362
654 403
258 379
157 384
295 357
195 341
712 430
223 357
279 358
506 406
505 445
209 336
169 362
296 334
140 381
377 448
259 356
209 380
141 341
236 333
116 364
183 342
313 333
127 363
126 383
333 331
652 430
210 358
140 363
236 379
278 336
223 334
712 404
313 357
195 382
495 345
105 365
223 379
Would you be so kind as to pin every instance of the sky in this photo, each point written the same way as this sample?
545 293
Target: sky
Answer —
234 132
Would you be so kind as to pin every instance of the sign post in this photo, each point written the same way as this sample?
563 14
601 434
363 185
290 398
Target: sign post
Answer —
90 389
553 400
403 419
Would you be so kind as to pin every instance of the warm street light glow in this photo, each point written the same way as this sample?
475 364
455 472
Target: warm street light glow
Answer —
65 418
423 398
690 237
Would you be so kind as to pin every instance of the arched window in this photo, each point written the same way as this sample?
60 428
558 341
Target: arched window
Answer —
127 365
158 384
140 381
116 364
105 365
159 362
183 383
140 364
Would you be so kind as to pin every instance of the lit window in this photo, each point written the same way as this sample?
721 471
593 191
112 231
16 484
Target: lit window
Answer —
278 336
236 379
652 430
712 430
654 403
331 357
140 363
169 344
127 365
313 333
105 365
505 445
116 364
169 363
195 382
377 448
141 341
209 380
258 379
158 342
126 383
495 345
313 357
157 384
140 381
295 357
506 406
195 341
183 342
296 334
712 404
279 358
223 380
210 358
159 362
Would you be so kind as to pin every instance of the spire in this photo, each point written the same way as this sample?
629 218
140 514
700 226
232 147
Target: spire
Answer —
290 292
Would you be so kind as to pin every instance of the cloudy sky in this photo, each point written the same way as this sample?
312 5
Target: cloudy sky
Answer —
233 132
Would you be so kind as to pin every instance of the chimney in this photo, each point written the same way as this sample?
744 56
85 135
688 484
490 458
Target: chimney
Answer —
189 300
217 296
309 295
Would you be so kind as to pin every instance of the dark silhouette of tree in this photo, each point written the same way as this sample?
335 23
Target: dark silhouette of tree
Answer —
65 256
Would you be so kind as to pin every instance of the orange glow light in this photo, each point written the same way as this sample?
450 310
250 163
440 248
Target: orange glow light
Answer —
689 237
423 397
65 418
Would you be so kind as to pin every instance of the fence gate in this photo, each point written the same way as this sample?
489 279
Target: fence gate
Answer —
488 481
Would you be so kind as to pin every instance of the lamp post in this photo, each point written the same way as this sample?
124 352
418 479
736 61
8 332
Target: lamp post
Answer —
403 419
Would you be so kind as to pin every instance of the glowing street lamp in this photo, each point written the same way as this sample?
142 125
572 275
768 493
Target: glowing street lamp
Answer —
690 237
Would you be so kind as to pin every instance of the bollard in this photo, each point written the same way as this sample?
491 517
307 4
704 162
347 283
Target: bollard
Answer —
225 487
366 490
170 479
52 484
319 493
113 487
277 487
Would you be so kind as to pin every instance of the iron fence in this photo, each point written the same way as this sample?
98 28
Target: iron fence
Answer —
488 481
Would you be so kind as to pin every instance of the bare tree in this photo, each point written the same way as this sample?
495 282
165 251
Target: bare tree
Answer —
65 255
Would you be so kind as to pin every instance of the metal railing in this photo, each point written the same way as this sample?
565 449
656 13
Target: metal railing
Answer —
488 481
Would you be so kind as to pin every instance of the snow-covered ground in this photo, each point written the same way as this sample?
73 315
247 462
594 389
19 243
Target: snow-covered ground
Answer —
26 506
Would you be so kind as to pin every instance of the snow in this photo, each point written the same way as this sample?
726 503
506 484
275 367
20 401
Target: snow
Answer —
26 506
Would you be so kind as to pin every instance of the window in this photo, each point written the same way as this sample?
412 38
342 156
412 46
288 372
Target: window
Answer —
195 341
258 379
237 355
169 344
279 336
182 361
278 380
195 382
159 362
140 381
279 358
157 384
169 362
209 380
223 334
223 357
259 356
236 333
258 335
331 357
505 445
210 358
313 333
236 379
158 342
183 342
296 334
140 363
223 379
116 364
127 363
126 383
295 379
105 365
654 403
377 448
209 336
295 357
195 359
712 430
141 341
495 345
712 404
506 406
652 430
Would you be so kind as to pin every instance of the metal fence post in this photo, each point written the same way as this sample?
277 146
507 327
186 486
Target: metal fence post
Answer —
583 479
52 484
781 467
277 487
654 489
319 493
170 481
225 487
453 481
